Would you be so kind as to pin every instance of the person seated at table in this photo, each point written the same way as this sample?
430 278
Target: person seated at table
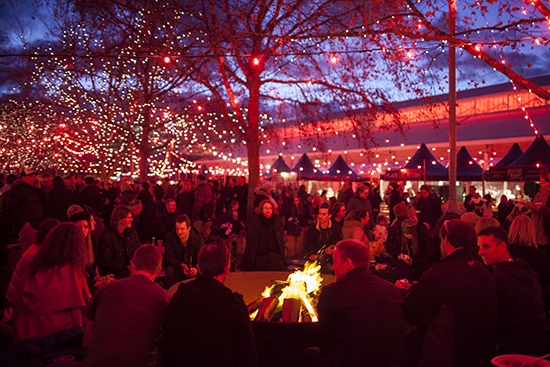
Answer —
117 244
166 221
265 250
181 246
417 252
361 316
320 237
53 294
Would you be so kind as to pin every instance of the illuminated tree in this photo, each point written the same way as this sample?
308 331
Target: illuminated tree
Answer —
279 58
109 73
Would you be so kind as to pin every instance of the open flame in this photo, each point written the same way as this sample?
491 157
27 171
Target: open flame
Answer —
303 285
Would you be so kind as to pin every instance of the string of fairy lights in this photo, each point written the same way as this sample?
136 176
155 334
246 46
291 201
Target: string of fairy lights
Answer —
105 132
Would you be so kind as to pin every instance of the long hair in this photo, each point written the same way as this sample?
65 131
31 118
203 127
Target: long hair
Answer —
58 183
260 207
522 232
64 245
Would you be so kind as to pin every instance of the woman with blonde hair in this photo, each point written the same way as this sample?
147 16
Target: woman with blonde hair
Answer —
486 222
523 245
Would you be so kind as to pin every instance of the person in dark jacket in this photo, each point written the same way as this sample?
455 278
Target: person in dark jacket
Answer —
520 305
265 249
25 205
167 221
184 199
361 315
429 206
523 245
60 198
181 246
361 201
117 244
148 215
206 324
453 305
91 196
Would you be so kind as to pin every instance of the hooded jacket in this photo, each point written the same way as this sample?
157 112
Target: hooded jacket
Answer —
206 324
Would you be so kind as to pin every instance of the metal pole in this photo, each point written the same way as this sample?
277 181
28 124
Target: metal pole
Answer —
452 203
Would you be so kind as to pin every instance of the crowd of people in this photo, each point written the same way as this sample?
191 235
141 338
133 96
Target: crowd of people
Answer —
469 286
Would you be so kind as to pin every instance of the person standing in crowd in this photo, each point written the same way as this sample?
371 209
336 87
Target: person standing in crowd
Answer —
166 222
184 199
60 198
417 251
53 294
338 212
182 246
523 245
521 308
91 196
117 244
361 315
148 215
361 201
346 193
539 202
24 206
242 197
127 194
454 305
429 206
6 221
125 317
265 249
505 207
396 197
204 203
206 324
468 200
354 223
168 188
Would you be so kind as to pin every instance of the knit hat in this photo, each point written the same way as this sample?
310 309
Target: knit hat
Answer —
28 172
470 217
400 210
266 187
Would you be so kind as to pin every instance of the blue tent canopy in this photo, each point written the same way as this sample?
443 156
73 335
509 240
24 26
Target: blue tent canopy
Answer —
278 166
435 171
305 170
538 153
514 153
466 168
340 171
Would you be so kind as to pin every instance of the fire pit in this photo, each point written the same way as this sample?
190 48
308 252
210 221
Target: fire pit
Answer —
279 343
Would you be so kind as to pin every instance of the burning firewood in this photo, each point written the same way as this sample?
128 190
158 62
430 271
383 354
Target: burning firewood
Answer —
292 300
291 309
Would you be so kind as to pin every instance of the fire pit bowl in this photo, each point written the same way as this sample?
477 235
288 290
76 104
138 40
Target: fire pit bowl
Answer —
278 343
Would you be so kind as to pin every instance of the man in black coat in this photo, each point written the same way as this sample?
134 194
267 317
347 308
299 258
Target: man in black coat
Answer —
454 305
206 324
429 206
148 216
117 244
167 221
320 236
520 304
181 246
91 196
361 315
25 204
361 201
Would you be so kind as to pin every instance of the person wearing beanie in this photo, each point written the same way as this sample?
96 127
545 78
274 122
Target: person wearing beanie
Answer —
417 252
429 206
